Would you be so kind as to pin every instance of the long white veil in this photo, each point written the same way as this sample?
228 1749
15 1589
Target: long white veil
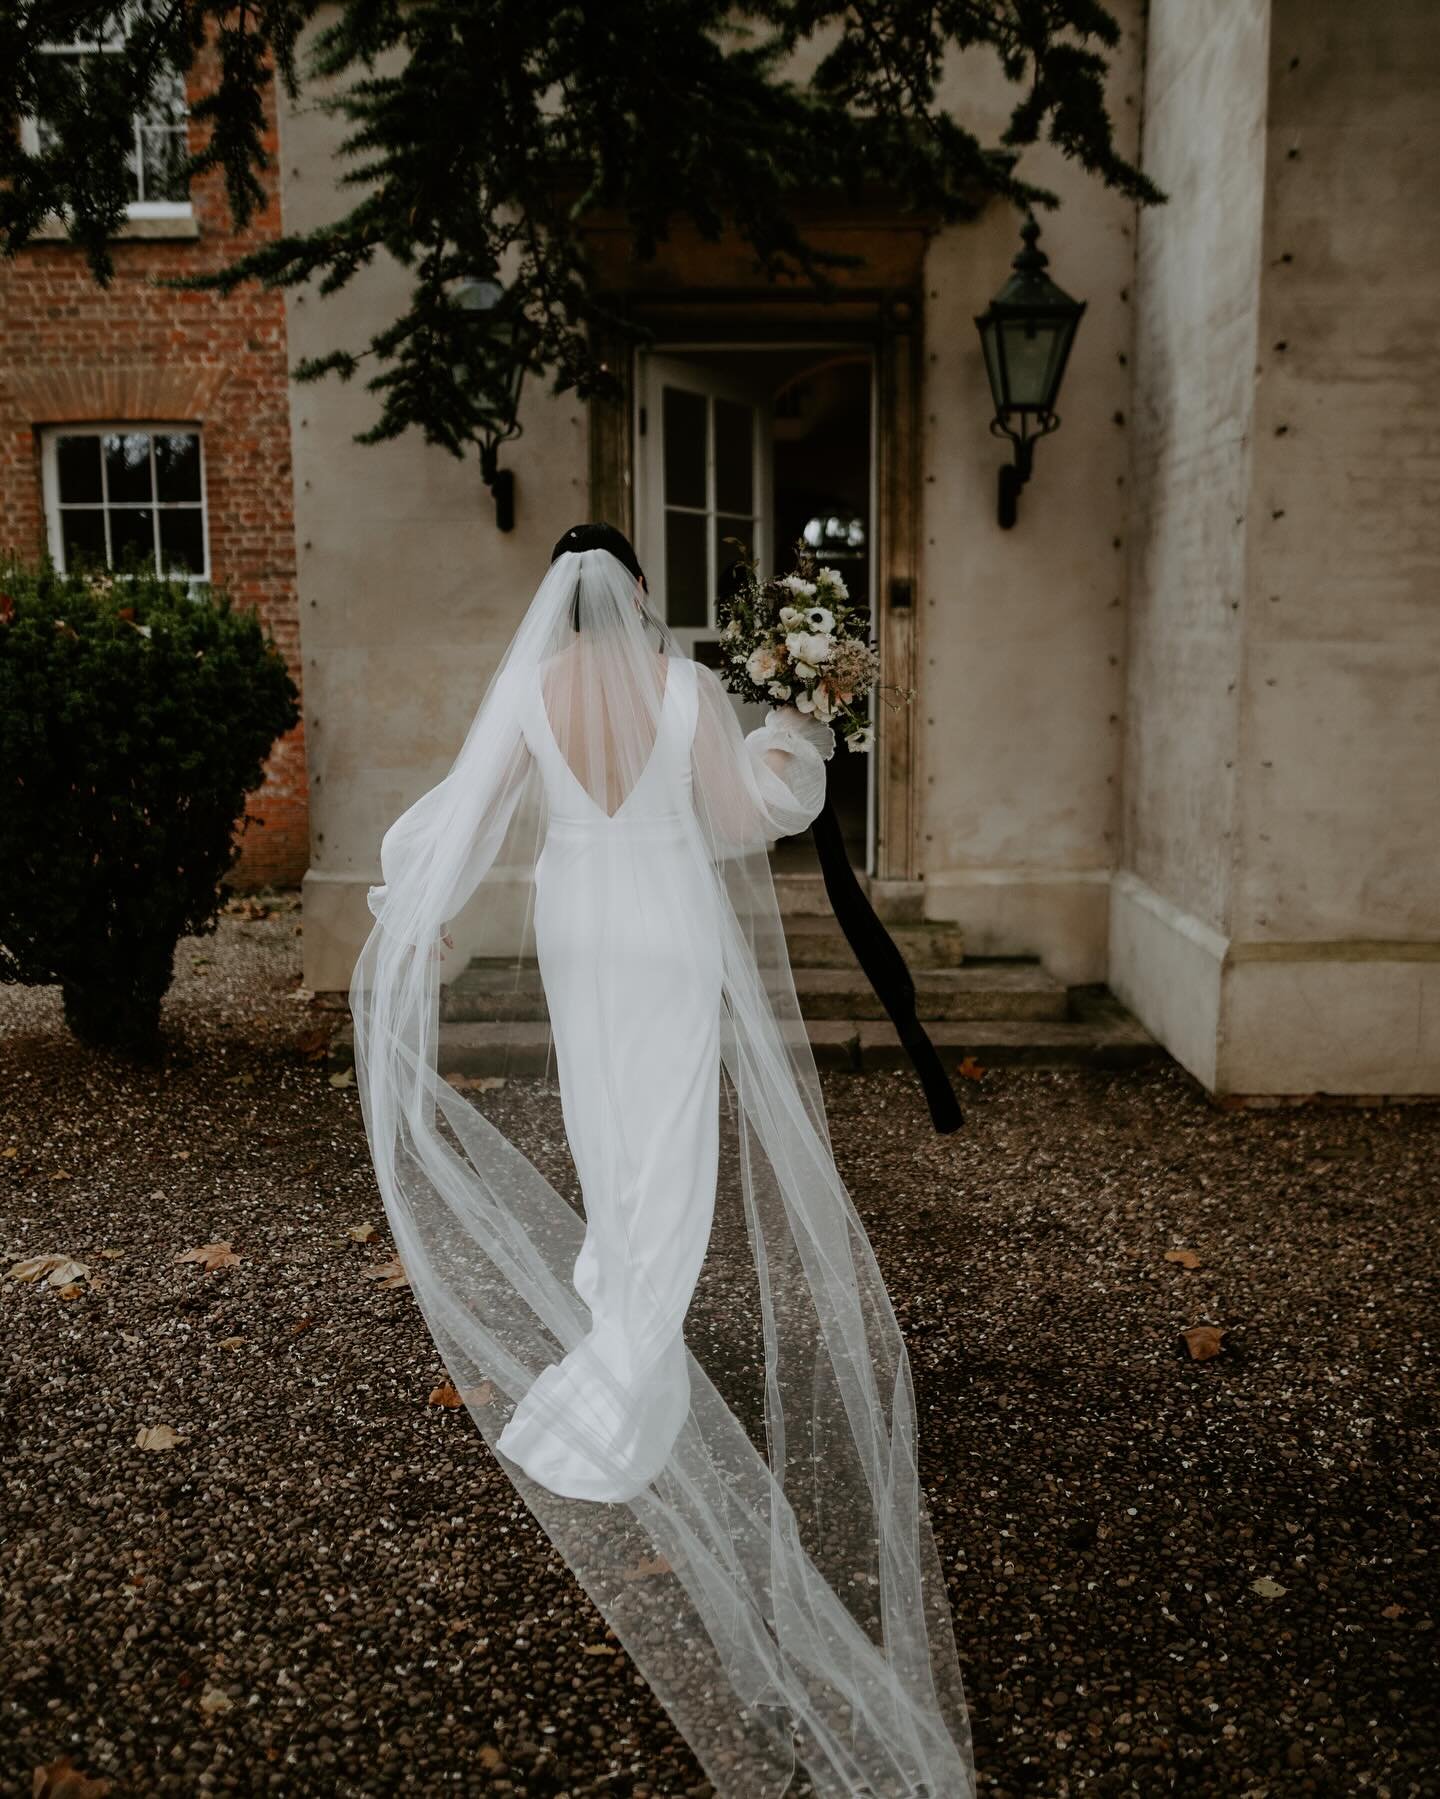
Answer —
793 1612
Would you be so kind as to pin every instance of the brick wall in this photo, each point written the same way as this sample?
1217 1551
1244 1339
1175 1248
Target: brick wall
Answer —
71 351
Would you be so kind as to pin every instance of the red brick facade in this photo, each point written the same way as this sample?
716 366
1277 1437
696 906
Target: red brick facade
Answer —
73 352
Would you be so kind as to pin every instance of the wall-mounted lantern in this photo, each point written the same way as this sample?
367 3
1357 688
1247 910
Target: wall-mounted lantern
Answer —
1026 335
491 340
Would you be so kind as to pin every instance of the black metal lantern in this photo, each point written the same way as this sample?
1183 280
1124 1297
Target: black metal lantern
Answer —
491 340
1026 335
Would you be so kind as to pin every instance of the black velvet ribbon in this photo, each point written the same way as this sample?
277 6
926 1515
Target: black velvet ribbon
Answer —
884 967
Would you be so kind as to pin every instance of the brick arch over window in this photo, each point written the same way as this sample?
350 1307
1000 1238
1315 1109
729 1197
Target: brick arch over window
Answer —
138 392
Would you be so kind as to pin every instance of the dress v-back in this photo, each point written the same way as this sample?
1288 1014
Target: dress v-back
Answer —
628 942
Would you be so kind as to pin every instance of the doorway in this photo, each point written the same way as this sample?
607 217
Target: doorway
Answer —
768 445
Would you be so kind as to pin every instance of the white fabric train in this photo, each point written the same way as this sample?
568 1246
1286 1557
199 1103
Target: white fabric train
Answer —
719 1290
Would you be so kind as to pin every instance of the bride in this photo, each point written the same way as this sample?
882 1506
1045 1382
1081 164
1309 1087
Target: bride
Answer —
744 1510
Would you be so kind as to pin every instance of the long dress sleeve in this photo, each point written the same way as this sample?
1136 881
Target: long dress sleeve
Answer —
749 790
440 848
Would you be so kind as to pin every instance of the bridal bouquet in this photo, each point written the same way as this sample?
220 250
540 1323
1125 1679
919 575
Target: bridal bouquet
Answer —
798 640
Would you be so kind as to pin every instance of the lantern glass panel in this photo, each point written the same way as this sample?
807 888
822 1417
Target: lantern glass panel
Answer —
1033 349
990 343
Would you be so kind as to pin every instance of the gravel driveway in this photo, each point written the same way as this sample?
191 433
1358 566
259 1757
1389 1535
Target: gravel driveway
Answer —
1169 1575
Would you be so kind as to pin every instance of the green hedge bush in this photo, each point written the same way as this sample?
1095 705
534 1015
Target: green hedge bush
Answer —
135 715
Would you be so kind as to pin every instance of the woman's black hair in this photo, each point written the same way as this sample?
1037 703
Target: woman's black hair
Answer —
600 537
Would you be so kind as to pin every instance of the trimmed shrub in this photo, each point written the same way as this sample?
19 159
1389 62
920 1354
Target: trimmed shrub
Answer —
135 715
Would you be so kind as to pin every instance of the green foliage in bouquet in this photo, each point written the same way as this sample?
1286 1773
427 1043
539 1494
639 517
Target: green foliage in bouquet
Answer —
135 715
799 640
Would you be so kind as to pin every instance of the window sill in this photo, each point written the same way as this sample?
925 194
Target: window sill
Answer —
140 228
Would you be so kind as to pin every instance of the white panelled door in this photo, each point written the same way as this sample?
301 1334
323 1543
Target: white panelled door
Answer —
704 474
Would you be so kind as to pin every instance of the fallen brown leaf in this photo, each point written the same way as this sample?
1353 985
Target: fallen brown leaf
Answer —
1203 1341
445 1394
314 1044
71 1290
647 1567
56 1270
361 1233
211 1256
157 1436
1183 1258
970 1069
597 1649
61 1779
230 1342
387 1274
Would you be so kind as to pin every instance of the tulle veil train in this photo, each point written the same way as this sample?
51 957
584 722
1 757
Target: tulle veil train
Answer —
792 1617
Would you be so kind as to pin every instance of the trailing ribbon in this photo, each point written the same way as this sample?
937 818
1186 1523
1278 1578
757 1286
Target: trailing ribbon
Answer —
884 967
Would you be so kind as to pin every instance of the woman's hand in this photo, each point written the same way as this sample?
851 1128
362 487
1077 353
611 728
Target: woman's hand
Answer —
805 726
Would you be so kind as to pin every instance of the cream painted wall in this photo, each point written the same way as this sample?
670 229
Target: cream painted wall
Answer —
1282 840
1022 631
408 593
1340 795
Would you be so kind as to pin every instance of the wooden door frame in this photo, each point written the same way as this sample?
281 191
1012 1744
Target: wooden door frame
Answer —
890 326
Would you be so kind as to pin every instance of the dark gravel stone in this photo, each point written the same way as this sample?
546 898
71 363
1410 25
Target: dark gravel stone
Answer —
1168 1575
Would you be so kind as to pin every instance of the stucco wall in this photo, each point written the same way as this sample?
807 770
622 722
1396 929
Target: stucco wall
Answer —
1276 921
1340 803
409 594
1022 631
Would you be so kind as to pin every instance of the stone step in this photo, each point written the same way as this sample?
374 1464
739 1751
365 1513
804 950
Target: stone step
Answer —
816 941
802 894
992 990
1099 1034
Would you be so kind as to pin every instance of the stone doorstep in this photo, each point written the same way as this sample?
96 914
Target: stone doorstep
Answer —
803 893
1105 1036
818 942
978 990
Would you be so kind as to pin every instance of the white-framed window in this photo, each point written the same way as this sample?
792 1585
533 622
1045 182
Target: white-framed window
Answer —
114 489
159 148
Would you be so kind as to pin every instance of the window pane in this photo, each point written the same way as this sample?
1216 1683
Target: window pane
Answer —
182 541
687 599
683 422
163 154
132 532
127 466
726 553
177 465
77 462
82 539
734 455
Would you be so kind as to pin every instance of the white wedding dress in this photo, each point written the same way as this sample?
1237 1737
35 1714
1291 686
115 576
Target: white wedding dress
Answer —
776 1582
629 949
